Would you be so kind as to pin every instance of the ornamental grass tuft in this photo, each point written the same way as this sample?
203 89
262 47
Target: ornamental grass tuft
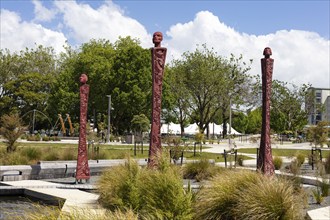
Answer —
248 195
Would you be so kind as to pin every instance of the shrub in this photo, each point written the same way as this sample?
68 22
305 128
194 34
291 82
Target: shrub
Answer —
69 154
248 195
278 161
240 159
153 193
217 201
11 129
46 138
40 212
51 154
32 153
327 164
163 196
33 137
317 194
14 158
268 199
118 187
294 167
200 170
300 158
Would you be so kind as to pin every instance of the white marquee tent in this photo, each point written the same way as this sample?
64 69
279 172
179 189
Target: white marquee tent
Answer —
192 129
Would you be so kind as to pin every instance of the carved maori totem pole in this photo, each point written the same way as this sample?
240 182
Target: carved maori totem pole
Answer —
265 159
158 55
82 170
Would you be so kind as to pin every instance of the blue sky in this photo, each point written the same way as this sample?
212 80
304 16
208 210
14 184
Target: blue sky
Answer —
297 31
252 17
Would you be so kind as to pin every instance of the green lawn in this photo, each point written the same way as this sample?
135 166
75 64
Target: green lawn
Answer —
283 152
67 151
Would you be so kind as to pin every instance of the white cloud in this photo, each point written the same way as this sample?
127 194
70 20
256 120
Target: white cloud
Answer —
300 56
41 12
108 22
17 34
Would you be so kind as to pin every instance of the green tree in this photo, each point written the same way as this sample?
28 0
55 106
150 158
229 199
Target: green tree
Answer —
254 121
288 112
240 122
175 96
204 82
28 77
140 123
11 129
130 84
121 69
318 135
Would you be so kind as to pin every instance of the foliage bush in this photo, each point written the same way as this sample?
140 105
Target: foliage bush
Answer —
69 154
248 195
40 212
36 137
32 153
327 164
45 138
13 158
269 199
200 170
217 201
300 158
153 193
240 159
163 195
11 129
278 162
118 187
294 167
52 154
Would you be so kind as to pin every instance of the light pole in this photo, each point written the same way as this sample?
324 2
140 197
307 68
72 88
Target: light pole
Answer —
34 118
229 123
109 109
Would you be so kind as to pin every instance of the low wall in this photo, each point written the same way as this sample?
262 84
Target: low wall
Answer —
56 169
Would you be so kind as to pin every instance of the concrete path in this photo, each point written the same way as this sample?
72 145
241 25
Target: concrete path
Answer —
75 200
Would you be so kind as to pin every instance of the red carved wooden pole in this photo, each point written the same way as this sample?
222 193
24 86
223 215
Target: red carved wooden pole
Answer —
158 55
82 170
265 158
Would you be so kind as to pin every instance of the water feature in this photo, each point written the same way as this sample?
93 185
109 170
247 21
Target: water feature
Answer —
16 207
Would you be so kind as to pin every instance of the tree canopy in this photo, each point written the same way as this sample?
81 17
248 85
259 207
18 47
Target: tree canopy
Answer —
200 87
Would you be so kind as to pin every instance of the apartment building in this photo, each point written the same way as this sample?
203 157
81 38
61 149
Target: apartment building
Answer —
318 105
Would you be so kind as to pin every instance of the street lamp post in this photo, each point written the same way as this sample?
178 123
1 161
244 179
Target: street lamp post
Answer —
229 139
33 120
109 109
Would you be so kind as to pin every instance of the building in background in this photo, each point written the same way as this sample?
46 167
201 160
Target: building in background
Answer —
318 104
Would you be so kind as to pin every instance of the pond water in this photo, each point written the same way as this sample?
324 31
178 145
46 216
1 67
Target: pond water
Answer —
16 207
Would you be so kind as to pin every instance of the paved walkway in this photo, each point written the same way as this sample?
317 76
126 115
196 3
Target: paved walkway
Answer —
76 199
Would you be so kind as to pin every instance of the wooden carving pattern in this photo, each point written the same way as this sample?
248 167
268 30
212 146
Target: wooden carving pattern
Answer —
158 55
158 62
82 170
265 159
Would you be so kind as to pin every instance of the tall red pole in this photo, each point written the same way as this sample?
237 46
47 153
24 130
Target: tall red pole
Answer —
158 55
82 170
265 159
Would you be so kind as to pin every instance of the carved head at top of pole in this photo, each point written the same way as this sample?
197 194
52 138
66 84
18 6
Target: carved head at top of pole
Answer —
83 78
157 38
267 52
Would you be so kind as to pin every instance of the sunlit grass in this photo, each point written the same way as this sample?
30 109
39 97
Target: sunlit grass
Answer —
47 151
283 152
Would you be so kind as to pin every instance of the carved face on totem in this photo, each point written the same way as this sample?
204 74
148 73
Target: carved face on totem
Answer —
157 38
267 52
83 78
